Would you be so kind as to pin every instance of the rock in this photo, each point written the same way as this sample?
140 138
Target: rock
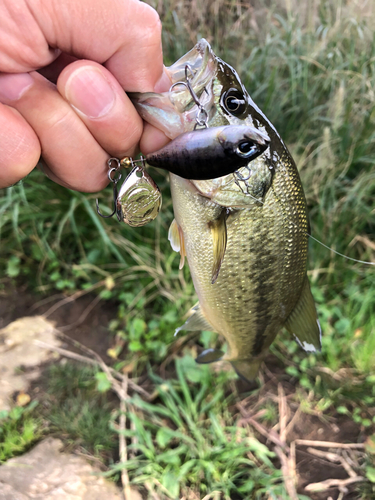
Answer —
46 474
17 349
7 492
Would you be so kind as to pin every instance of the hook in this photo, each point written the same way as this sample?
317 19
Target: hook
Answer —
202 115
115 193
114 180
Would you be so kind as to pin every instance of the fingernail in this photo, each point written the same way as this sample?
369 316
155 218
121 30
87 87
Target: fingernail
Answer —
164 83
89 92
13 85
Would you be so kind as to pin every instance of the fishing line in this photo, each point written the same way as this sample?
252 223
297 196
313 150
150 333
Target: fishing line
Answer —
341 254
240 178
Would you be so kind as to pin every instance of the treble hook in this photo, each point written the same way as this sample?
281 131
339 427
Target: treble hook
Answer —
114 180
202 115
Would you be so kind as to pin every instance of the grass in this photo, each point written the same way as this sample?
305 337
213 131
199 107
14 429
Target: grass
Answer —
311 68
76 411
19 430
188 444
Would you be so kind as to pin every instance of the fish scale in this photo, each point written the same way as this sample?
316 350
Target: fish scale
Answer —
245 240
254 252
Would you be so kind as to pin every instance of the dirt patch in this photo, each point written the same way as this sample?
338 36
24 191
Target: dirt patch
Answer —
311 463
313 469
77 319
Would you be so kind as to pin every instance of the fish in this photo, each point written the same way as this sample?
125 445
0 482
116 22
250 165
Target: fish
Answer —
210 152
244 236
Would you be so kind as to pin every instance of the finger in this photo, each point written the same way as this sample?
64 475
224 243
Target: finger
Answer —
75 158
102 105
19 148
125 36
152 139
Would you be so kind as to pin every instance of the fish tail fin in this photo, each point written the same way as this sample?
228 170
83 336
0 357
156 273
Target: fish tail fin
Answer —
247 369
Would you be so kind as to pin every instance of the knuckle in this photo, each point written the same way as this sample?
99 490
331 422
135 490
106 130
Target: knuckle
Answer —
151 25
59 123
132 138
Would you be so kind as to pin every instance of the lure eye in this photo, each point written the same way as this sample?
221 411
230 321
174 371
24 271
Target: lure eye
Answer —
246 149
233 102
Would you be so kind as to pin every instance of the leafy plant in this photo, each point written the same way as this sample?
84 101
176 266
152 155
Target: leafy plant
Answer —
19 430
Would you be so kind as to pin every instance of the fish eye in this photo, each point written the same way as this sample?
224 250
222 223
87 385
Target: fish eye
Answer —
245 149
233 101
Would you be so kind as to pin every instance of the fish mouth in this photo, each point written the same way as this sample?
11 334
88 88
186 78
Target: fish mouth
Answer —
202 65
174 112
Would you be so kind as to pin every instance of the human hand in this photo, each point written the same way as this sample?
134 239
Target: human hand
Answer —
94 51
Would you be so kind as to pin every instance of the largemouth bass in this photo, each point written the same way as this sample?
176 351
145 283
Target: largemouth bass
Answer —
245 238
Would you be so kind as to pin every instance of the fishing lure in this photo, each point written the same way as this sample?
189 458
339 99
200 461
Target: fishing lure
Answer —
202 154
210 152
139 200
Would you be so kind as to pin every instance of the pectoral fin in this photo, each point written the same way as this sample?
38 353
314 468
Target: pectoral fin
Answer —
176 238
196 321
303 322
219 237
209 356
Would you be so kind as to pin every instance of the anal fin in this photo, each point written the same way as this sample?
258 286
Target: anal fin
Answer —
303 321
247 369
176 238
219 237
196 321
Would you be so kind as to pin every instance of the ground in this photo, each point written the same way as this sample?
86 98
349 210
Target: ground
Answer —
92 332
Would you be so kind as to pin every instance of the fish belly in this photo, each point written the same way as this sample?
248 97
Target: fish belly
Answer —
264 266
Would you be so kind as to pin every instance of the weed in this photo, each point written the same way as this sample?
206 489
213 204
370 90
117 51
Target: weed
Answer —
78 411
188 441
19 430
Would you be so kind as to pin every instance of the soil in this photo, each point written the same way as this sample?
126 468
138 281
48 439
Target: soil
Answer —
91 330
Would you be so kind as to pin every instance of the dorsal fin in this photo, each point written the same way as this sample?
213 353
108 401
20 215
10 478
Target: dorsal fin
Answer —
196 321
303 321
219 237
176 238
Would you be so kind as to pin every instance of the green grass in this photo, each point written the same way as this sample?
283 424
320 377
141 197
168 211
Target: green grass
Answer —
188 442
19 430
311 68
76 411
